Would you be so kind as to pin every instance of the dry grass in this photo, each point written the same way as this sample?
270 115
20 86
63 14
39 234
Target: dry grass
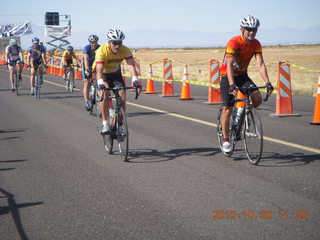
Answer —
303 82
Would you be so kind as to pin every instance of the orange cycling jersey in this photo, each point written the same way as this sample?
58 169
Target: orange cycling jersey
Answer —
242 51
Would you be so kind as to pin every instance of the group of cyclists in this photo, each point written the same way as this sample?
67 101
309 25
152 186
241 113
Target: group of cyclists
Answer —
106 60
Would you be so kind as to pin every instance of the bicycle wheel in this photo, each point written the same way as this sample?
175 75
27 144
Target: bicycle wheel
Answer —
220 134
253 136
16 82
122 134
108 143
71 82
67 80
37 82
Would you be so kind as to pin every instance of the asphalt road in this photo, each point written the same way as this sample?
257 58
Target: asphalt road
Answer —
57 181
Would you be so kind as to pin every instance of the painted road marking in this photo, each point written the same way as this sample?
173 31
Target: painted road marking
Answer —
314 150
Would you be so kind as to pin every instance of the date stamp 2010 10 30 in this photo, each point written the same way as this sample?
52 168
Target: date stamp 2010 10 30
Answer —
260 214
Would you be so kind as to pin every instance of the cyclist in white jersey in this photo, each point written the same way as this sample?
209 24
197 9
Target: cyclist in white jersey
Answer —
14 55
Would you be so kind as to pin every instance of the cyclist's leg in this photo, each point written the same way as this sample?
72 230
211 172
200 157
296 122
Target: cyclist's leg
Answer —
228 106
32 77
255 96
11 72
104 104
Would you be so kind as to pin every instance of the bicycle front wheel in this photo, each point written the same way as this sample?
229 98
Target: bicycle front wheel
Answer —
253 136
37 81
220 134
108 142
122 134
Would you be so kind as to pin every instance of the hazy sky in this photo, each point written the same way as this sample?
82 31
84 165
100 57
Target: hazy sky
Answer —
128 15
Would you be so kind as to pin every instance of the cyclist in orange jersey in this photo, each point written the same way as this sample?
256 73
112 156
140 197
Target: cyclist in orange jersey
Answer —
233 71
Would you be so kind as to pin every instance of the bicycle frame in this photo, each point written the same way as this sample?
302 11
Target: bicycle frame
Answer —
69 77
248 126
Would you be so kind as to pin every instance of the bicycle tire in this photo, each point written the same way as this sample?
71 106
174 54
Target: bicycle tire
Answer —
37 81
232 135
67 80
71 84
16 83
108 143
122 135
92 96
253 136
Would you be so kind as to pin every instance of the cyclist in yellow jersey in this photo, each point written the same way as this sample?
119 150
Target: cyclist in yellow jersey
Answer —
67 60
108 68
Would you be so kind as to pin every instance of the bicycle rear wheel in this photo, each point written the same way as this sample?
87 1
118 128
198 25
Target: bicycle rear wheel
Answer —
220 134
253 136
122 134
16 82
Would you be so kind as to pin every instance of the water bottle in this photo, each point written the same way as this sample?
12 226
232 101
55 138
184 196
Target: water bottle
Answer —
239 112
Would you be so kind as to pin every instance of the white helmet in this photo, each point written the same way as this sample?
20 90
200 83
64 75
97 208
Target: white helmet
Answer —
13 42
115 35
250 22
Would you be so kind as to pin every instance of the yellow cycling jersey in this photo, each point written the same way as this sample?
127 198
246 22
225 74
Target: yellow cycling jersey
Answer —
67 56
111 61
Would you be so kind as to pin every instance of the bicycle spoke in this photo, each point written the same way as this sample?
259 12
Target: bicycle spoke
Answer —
253 137
123 135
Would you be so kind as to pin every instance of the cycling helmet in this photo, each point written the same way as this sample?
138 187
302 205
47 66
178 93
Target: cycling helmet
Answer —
115 35
250 22
13 42
93 38
70 48
35 40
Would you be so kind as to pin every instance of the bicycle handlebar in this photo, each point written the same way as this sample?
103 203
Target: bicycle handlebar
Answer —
118 88
256 88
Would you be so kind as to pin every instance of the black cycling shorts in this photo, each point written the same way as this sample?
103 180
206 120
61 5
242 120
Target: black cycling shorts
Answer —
113 79
240 81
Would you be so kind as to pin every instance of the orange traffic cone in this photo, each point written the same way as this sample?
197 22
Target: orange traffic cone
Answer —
214 96
78 74
150 84
61 71
316 115
284 96
185 90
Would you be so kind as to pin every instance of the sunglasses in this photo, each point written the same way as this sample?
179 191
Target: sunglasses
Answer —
116 43
251 29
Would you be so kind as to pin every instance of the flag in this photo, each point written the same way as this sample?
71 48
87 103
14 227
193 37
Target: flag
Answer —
15 30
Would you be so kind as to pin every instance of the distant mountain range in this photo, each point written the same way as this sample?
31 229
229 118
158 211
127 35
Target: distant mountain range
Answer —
182 39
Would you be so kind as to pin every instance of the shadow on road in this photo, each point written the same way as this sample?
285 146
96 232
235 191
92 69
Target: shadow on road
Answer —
13 209
152 155
287 160
10 161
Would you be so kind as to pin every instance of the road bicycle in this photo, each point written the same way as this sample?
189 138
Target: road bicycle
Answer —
16 80
244 125
38 80
69 77
118 124
93 97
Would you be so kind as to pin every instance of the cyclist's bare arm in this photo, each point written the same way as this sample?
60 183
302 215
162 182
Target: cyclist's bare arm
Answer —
262 68
230 59
130 62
